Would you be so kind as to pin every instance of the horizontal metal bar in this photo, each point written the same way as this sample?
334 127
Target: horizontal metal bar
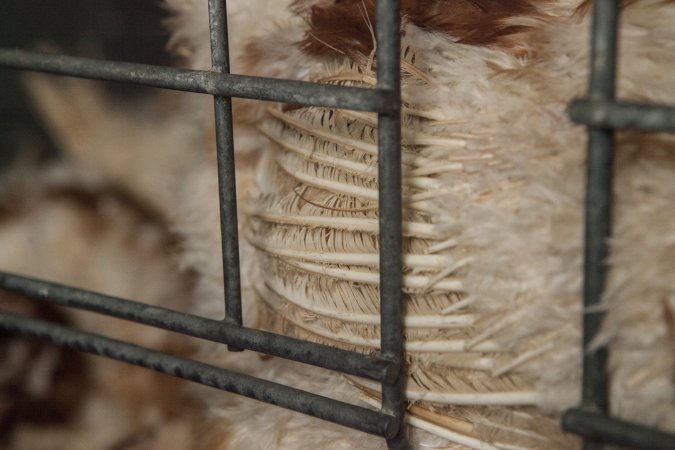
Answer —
202 81
344 361
611 431
276 394
611 114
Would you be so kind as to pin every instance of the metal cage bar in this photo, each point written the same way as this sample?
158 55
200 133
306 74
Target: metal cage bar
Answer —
388 368
602 114
598 201
227 185
202 81
390 211
609 114
374 368
356 417
600 428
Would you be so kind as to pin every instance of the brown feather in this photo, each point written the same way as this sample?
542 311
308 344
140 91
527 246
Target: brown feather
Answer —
585 6
342 26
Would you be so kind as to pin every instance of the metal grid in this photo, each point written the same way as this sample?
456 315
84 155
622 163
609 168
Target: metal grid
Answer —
387 368
603 114
600 112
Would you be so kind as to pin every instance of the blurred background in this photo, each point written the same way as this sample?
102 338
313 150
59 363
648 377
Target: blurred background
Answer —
122 30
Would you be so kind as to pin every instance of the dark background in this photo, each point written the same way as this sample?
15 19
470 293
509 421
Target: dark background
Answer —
123 30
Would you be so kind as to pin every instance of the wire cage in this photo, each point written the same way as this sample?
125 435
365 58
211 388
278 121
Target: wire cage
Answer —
602 114
599 111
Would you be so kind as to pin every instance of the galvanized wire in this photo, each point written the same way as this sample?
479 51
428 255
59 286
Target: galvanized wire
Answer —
227 185
371 367
603 114
599 428
388 369
359 418
599 167
202 81
390 211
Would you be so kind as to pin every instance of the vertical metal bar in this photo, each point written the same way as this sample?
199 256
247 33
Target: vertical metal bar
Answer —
220 60
390 212
598 205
